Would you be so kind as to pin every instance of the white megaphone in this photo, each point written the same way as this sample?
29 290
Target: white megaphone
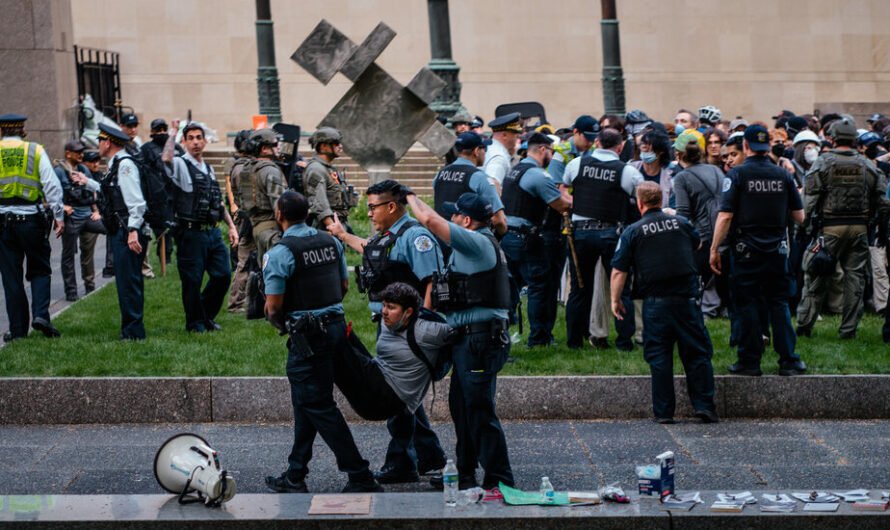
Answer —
186 464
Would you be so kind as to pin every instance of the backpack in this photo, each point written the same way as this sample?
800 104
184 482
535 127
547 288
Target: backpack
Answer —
440 369
153 183
714 205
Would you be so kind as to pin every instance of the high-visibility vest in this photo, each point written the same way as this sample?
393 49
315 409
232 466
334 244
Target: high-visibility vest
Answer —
20 171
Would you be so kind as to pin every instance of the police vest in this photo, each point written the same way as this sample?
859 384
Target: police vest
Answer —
115 213
763 202
849 187
256 204
75 194
204 203
238 174
336 189
489 288
450 183
597 190
20 172
315 282
656 236
517 201
378 271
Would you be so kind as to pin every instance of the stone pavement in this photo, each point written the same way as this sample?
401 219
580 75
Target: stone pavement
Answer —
581 455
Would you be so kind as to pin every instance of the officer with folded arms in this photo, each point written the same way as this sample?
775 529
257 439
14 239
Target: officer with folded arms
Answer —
671 314
26 180
474 292
306 280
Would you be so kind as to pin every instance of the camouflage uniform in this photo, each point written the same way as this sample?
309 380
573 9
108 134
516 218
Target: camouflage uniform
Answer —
237 171
259 192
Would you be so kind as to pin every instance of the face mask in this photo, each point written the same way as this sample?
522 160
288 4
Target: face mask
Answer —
778 149
648 157
810 155
160 138
399 326
871 151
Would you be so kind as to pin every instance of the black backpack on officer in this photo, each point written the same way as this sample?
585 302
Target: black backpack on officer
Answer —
153 183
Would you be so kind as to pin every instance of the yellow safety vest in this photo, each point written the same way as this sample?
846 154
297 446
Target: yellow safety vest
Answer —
20 170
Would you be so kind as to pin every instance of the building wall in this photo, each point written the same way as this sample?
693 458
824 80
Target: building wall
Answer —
749 58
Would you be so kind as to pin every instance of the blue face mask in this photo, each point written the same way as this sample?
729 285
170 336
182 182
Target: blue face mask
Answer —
648 157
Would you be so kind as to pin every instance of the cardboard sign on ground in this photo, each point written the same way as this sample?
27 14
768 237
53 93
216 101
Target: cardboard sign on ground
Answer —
341 504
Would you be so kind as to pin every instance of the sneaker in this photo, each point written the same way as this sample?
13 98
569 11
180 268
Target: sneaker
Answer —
211 325
600 343
49 331
396 476
463 483
71 298
364 486
494 494
425 467
9 337
707 416
283 484
108 273
795 368
148 274
740 369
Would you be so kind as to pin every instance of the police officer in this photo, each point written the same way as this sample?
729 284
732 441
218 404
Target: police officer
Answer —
504 141
529 194
130 126
475 295
261 189
26 180
236 174
602 188
460 123
584 132
198 206
83 222
152 156
758 199
401 251
845 192
305 277
325 186
463 176
671 314
126 228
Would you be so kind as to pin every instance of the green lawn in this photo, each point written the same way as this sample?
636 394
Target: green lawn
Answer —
89 345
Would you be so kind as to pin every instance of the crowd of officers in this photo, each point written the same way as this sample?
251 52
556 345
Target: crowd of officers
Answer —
646 219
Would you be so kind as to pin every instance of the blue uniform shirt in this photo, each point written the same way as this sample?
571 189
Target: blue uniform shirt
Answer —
537 183
278 267
479 184
418 249
472 253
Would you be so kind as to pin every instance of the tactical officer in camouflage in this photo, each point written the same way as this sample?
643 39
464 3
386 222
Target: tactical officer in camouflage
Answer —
265 183
236 174
846 192
324 185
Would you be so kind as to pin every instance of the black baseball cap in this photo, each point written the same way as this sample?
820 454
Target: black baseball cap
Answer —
588 126
784 114
91 156
75 146
757 137
538 139
159 123
470 204
468 141
130 120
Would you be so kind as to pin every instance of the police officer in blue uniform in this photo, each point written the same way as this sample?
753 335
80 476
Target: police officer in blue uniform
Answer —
26 180
474 292
199 207
601 200
529 195
465 175
306 280
401 251
758 199
584 132
671 314
124 219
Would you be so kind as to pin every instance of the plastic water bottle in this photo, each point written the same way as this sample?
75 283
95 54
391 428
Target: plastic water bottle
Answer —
449 481
547 490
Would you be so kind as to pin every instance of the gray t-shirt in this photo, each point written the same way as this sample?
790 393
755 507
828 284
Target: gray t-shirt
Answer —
407 375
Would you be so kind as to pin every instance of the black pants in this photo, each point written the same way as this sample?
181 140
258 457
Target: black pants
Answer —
202 251
84 232
130 284
19 240
315 412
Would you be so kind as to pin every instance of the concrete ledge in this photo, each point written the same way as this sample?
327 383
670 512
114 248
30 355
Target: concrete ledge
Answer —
267 399
398 510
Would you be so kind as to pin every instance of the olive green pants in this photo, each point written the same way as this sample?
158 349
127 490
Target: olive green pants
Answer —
849 245
265 234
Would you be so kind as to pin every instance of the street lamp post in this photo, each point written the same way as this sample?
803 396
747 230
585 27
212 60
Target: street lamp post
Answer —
448 101
268 91
613 75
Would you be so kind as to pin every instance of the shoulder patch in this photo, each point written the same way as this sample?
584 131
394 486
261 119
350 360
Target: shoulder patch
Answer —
423 244
265 260
727 184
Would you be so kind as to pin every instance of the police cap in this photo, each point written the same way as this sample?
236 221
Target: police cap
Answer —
468 141
507 122
470 204
538 139
91 156
843 129
757 137
158 124
325 135
129 119
75 146
113 134
12 120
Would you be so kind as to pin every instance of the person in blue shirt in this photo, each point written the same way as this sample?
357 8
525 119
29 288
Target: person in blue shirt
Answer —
474 293
584 132
306 280
401 251
530 196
